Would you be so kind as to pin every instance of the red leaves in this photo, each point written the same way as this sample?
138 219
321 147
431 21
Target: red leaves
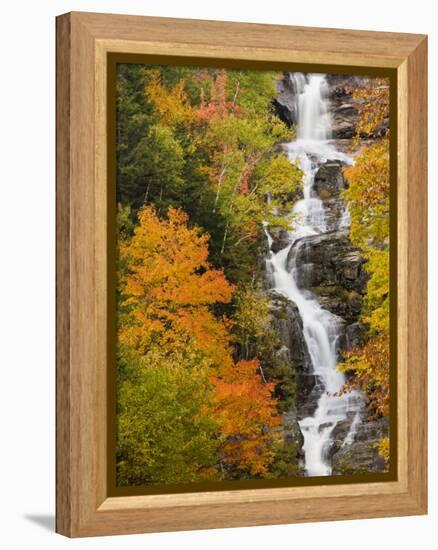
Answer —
217 105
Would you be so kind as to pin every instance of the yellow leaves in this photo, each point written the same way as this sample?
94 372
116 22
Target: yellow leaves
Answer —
369 204
371 373
376 311
172 105
370 174
372 101
384 449
251 318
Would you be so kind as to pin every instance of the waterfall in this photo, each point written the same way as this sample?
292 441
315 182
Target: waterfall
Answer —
321 328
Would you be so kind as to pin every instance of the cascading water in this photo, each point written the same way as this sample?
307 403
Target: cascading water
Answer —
320 327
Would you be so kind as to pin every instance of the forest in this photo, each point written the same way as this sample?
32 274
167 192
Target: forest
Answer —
203 388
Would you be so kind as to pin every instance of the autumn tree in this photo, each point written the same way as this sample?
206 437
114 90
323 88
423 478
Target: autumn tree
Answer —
170 287
252 181
248 418
369 204
176 368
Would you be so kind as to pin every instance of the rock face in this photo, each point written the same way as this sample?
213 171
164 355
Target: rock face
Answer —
328 262
287 324
285 103
291 428
361 456
329 267
329 184
343 111
280 239
343 107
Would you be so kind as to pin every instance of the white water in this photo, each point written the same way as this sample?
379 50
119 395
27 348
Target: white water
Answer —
320 327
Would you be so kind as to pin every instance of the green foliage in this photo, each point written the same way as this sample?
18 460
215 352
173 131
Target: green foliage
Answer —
284 463
205 140
163 434
199 168
176 372
251 318
255 337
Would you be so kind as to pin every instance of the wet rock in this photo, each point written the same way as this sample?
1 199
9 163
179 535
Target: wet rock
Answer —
334 213
329 180
267 275
337 300
357 458
340 432
285 104
372 430
288 325
354 335
361 456
308 405
287 322
328 259
280 239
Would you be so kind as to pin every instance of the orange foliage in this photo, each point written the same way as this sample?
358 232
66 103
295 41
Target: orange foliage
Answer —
168 289
170 286
246 411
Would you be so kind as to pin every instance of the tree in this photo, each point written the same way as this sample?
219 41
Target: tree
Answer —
370 365
170 287
175 353
368 201
163 432
372 104
247 416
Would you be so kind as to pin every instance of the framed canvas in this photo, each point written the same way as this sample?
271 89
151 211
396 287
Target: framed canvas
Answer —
241 274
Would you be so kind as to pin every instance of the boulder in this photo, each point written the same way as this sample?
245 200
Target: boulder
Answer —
327 260
329 180
343 303
354 335
334 213
280 238
361 456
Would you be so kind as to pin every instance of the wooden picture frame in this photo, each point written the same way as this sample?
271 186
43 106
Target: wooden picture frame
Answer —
84 41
